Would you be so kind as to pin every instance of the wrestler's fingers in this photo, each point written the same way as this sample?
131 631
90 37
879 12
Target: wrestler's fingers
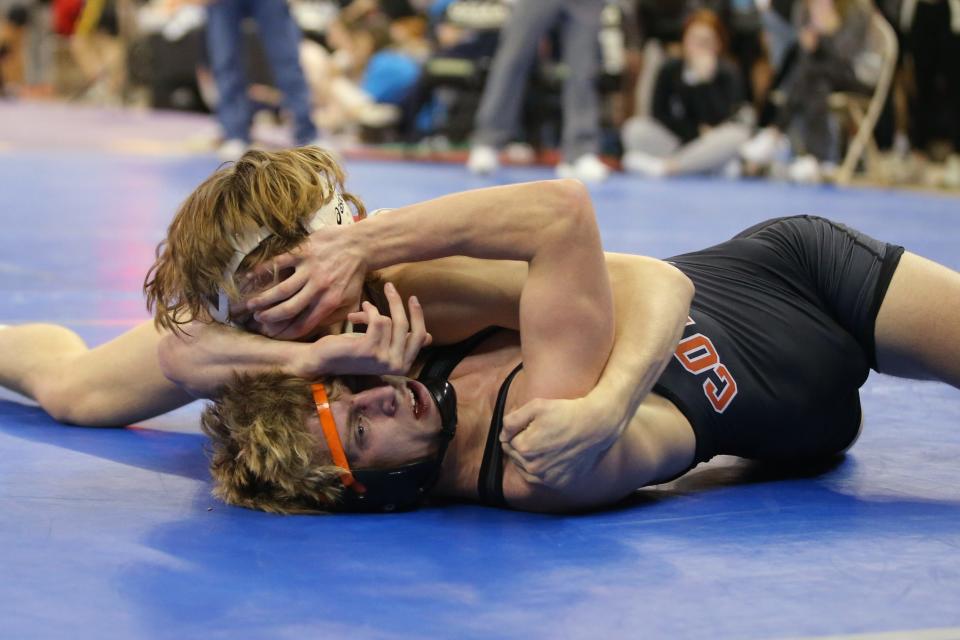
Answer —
278 292
289 309
357 317
518 420
275 264
520 464
306 321
418 337
400 324
382 335
277 300
275 329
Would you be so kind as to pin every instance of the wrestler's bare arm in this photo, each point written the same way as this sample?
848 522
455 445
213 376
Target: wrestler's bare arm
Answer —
126 379
113 385
554 443
146 372
505 223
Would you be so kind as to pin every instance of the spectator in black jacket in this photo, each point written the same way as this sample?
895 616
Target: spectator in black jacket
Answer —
696 125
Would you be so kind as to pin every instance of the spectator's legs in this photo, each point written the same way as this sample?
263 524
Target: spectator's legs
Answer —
808 103
281 41
926 45
227 63
502 97
581 104
951 61
648 146
653 58
646 135
711 151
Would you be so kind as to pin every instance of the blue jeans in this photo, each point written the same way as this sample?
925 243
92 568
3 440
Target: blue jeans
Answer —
280 37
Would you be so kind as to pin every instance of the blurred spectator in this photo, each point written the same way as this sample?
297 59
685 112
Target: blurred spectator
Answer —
696 103
13 32
832 55
659 29
280 37
99 52
499 110
442 105
746 47
373 66
932 37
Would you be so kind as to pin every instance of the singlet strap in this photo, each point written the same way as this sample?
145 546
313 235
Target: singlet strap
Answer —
490 483
441 361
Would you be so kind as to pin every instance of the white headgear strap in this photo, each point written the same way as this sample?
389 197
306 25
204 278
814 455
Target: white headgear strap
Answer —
333 213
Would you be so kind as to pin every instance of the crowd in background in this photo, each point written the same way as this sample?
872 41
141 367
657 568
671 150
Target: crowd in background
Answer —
668 87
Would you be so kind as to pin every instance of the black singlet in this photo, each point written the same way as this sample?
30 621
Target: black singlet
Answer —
441 361
778 343
490 483
780 339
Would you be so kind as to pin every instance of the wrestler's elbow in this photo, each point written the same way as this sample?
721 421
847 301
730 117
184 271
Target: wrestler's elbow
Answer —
567 200
71 400
685 286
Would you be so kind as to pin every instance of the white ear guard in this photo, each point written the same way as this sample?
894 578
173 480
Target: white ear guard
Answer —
333 213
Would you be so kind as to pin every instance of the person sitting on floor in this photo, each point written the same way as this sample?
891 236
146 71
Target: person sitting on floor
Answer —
698 123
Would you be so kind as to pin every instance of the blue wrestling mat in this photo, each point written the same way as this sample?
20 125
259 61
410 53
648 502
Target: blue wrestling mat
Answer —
113 534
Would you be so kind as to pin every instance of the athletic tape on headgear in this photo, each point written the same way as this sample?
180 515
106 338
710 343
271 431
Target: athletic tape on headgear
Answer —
333 213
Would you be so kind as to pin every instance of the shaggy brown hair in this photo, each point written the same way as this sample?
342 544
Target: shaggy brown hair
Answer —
276 189
262 454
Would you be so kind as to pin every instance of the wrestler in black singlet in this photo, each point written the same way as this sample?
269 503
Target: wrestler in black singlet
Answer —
779 341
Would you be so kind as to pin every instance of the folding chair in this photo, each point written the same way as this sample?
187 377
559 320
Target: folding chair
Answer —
864 111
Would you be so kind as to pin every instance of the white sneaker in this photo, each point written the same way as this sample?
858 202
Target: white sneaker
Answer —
378 115
644 164
232 149
732 170
804 170
763 148
587 168
483 160
520 153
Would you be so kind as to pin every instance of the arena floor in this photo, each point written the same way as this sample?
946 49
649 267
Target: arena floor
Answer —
113 534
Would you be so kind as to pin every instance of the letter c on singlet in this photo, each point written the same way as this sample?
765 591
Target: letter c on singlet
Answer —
721 400
697 354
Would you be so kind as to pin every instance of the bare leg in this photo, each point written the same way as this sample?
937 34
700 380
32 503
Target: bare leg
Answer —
114 384
918 326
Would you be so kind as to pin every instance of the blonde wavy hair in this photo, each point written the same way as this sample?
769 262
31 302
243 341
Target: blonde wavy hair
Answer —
262 454
278 189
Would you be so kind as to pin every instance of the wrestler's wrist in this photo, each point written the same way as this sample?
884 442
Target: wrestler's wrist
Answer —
308 361
607 413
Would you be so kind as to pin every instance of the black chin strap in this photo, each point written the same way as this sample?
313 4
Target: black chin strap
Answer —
435 376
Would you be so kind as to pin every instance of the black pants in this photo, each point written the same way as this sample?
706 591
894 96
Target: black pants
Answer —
936 59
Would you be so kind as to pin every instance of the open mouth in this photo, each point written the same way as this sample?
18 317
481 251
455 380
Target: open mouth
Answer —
419 401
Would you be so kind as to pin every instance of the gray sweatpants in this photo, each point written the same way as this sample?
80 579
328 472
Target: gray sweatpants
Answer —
707 153
520 37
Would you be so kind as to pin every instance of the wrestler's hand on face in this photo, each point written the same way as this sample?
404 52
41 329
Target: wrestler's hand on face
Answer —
553 442
328 269
389 346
